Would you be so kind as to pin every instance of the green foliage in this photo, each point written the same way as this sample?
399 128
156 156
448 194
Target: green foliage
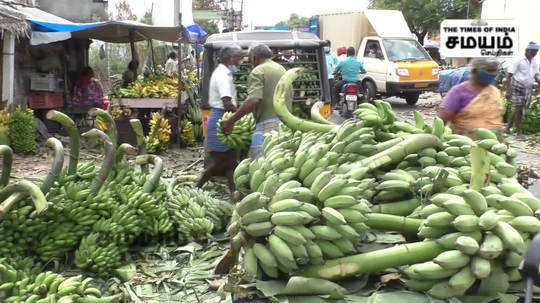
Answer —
424 16
22 131
295 21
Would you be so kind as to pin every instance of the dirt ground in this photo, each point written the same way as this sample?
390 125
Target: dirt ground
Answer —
189 161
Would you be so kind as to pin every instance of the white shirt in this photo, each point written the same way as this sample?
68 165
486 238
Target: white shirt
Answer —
221 85
171 66
523 71
341 57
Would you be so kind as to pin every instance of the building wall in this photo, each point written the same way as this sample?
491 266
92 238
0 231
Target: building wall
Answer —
76 10
525 12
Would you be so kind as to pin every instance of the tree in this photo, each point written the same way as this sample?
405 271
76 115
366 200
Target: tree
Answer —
424 16
294 21
206 4
124 11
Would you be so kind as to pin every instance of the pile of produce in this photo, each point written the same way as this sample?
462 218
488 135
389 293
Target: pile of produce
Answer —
153 86
119 111
188 133
92 216
240 137
28 283
306 205
22 131
160 134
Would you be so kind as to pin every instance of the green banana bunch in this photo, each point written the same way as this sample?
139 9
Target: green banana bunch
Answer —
240 138
188 135
22 131
24 281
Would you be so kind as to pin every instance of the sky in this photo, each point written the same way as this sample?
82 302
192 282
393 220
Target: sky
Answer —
257 12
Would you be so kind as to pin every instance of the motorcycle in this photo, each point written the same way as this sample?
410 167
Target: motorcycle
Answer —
349 98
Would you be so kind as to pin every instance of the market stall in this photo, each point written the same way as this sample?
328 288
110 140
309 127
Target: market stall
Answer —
145 96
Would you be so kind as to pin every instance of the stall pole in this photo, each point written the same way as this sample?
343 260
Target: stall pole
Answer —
153 56
180 109
133 49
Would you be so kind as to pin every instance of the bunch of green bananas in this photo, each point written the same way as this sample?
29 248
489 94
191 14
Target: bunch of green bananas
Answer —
240 138
99 254
22 131
188 134
191 219
24 281
217 211
194 115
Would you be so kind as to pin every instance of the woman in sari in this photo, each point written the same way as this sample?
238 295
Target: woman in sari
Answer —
88 90
475 103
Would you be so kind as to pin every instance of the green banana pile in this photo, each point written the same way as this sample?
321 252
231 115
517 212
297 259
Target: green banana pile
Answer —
240 138
381 173
22 131
194 115
97 214
26 282
197 214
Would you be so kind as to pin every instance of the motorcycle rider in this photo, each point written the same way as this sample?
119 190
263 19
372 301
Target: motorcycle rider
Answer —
350 70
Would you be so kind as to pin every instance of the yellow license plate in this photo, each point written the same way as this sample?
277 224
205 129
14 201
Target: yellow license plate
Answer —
420 85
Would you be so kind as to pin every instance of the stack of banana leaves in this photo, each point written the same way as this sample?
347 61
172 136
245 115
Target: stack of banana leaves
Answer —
306 206
90 217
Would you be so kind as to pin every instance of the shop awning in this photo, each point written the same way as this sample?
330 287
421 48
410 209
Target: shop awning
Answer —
13 22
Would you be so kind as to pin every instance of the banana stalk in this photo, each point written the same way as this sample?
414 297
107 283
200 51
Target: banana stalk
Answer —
15 191
137 127
124 149
68 123
393 223
104 115
58 163
480 164
374 261
7 160
108 161
152 182
316 113
282 97
398 152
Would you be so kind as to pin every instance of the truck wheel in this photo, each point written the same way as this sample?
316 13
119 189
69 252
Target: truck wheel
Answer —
412 99
369 91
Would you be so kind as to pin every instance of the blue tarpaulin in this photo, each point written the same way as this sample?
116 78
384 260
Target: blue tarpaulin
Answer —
114 31
40 26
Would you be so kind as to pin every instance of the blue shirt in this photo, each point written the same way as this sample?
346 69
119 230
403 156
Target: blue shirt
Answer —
331 63
350 69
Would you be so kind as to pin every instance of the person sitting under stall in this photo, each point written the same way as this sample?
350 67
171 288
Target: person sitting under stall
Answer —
88 91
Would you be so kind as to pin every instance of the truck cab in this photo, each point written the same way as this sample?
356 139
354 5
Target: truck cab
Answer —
397 67
396 64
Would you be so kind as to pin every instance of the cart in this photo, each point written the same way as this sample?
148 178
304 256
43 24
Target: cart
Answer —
291 49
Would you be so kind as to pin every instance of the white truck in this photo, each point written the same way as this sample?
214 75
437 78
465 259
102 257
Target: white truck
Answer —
396 64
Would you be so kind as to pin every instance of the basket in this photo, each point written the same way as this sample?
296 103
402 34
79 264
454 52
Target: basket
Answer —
45 100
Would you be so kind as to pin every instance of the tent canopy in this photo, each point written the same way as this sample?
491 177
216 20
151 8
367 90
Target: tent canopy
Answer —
111 31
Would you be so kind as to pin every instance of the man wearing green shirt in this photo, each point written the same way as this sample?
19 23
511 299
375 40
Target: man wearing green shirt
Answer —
262 82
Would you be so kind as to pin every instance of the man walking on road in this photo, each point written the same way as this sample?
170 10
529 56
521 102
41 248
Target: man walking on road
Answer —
220 159
262 82
521 79
331 63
